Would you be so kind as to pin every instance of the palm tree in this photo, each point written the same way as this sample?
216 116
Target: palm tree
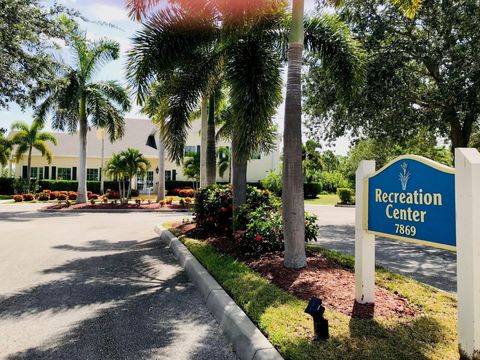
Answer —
26 138
135 163
292 196
76 101
5 149
184 54
116 169
224 161
139 10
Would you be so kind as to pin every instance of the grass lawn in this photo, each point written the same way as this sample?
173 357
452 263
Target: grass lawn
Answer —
280 315
330 199
5 197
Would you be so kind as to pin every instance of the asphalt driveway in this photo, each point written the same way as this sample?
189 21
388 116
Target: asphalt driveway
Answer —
97 286
429 265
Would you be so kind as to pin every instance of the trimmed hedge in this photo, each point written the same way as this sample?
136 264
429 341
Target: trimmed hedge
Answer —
311 190
72 185
7 186
346 195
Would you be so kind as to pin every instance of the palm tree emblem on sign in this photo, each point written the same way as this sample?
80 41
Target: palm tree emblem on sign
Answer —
404 176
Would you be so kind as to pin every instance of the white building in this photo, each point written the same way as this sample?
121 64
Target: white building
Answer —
65 157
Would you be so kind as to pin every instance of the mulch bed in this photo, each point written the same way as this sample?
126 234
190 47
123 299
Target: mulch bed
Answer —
108 206
321 278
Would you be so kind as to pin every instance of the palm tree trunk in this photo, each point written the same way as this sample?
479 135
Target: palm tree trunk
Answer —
129 187
211 151
239 177
101 164
292 195
161 170
29 167
204 143
82 169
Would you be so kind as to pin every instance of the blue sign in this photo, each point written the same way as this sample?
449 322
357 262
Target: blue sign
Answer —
413 199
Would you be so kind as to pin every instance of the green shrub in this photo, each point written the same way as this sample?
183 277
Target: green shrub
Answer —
273 183
345 195
311 190
70 185
7 186
332 180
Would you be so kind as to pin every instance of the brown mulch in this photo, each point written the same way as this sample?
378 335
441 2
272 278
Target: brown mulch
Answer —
109 206
321 278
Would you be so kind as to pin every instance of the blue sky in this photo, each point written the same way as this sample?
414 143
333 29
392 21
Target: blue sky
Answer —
115 13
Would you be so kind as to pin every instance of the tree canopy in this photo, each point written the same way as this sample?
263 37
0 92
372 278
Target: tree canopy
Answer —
27 37
421 71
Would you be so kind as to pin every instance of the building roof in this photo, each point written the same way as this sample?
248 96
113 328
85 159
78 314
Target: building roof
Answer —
136 134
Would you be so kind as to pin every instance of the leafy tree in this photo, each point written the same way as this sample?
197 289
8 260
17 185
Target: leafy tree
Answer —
26 138
421 71
26 42
383 151
74 100
313 163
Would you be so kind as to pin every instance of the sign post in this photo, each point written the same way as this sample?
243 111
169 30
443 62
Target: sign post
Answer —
418 200
467 190
364 242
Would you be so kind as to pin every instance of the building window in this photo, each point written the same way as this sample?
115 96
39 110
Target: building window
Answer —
64 173
168 175
92 174
149 179
37 173
189 150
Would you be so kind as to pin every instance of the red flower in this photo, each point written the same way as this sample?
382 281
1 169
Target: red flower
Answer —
226 229
258 238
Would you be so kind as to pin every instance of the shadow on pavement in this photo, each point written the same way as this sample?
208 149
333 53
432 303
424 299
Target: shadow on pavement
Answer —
29 215
146 307
426 264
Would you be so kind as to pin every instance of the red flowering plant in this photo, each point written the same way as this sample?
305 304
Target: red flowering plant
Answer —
213 208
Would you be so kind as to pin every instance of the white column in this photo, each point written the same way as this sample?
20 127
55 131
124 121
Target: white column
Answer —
203 143
364 243
467 198
161 169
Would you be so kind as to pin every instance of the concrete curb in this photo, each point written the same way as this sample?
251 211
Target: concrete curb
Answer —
248 342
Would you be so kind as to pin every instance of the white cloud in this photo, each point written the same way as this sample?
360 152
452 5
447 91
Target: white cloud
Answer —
108 13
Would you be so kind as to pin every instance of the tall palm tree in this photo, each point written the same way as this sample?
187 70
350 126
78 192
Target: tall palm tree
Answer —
184 53
135 163
142 9
26 138
75 101
292 196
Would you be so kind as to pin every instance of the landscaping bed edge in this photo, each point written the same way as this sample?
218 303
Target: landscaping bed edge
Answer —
248 341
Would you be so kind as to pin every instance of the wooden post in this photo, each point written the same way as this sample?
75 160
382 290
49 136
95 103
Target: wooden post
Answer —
364 242
467 198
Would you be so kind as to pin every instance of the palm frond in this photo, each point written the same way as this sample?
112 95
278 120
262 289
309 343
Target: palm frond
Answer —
42 146
100 52
337 51
168 39
253 71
